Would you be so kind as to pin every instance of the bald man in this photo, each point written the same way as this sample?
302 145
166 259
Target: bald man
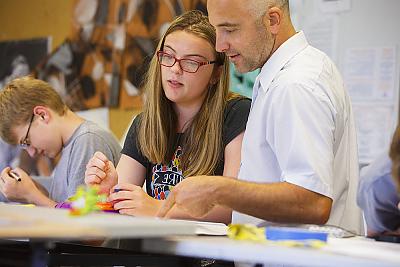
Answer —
299 153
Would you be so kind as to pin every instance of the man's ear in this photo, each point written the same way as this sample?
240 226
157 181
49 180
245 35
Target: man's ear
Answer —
43 113
274 19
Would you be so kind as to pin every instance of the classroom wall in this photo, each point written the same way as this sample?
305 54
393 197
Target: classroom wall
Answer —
25 19
361 36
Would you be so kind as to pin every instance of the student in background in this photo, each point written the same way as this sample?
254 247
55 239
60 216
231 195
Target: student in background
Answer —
299 155
34 117
190 125
378 192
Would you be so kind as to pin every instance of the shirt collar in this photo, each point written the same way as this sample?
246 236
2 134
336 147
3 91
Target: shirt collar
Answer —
280 57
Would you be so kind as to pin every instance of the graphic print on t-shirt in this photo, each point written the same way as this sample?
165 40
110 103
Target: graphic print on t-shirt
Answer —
164 177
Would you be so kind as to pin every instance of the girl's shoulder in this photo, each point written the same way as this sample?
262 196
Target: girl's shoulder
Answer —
235 118
238 104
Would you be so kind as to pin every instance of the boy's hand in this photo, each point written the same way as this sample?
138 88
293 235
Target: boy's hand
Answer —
20 191
101 172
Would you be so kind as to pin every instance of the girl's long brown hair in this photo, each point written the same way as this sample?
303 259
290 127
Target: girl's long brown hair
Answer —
202 144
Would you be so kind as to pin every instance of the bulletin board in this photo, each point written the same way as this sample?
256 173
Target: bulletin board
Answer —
103 61
361 36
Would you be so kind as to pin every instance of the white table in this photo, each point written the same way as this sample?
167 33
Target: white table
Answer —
338 252
174 237
45 232
18 221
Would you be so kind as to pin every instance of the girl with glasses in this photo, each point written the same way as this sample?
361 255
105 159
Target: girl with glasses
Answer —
190 125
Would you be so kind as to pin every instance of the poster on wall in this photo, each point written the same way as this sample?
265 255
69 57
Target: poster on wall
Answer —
334 6
104 59
372 79
369 63
20 57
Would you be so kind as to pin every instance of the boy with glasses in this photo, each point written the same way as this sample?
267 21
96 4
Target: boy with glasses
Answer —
34 116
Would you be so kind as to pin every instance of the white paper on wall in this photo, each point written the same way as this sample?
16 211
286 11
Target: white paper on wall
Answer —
371 78
370 73
334 6
374 123
322 33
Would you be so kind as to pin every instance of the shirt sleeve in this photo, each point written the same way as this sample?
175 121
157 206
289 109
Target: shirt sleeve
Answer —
300 131
83 150
131 148
235 118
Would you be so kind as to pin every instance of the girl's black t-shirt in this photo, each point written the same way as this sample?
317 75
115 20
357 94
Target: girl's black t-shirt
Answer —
160 178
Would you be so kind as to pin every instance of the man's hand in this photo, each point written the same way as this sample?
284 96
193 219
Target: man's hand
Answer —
20 191
101 172
195 195
132 200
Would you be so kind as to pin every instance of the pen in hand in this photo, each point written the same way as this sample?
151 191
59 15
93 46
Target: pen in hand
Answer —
15 176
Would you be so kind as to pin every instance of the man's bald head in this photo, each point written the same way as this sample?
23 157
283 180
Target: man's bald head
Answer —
259 7
250 31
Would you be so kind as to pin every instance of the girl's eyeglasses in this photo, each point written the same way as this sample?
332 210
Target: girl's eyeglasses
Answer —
187 65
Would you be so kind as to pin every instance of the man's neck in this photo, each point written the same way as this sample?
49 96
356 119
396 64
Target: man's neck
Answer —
286 35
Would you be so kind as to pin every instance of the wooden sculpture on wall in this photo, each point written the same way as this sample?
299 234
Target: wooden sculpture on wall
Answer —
103 61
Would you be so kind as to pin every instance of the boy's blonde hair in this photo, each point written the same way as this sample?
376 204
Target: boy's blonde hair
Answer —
19 98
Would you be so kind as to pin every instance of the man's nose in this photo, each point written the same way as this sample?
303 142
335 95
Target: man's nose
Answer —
222 44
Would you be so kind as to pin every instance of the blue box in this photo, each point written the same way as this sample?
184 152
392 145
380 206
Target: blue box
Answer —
292 233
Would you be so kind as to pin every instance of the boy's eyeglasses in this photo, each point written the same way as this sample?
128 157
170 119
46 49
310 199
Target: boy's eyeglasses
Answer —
187 65
26 142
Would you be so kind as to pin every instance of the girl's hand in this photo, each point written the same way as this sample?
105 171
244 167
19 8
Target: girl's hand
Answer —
133 200
101 172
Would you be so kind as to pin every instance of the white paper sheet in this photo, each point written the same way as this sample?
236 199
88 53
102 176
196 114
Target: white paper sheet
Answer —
334 6
370 73
370 76
374 123
322 34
